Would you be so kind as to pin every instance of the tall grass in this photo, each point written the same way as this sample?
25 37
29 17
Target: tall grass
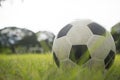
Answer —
42 67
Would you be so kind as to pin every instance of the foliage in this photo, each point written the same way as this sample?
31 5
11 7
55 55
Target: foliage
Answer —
45 46
21 40
42 67
46 40
115 31
12 37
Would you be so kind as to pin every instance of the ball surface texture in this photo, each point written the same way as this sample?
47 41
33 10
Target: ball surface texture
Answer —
83 42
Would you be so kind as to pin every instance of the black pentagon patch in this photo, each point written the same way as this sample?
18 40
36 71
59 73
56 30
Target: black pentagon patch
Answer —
109 59
79 54
97 29
64 31
56 60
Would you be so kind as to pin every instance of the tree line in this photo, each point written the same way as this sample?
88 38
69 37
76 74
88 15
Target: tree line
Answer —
21 40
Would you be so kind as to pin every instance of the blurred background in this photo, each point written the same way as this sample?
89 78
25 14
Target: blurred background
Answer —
31 25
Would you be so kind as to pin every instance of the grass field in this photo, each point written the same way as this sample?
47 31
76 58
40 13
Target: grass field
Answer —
42 67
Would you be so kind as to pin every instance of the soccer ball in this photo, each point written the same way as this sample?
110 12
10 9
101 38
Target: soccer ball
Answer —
84 43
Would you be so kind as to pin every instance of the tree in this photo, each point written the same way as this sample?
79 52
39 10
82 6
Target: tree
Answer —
13 37
45 39
115 31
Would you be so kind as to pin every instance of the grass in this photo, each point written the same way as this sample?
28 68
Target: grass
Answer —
42 67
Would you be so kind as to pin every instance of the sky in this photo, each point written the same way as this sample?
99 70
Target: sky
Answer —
52 15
